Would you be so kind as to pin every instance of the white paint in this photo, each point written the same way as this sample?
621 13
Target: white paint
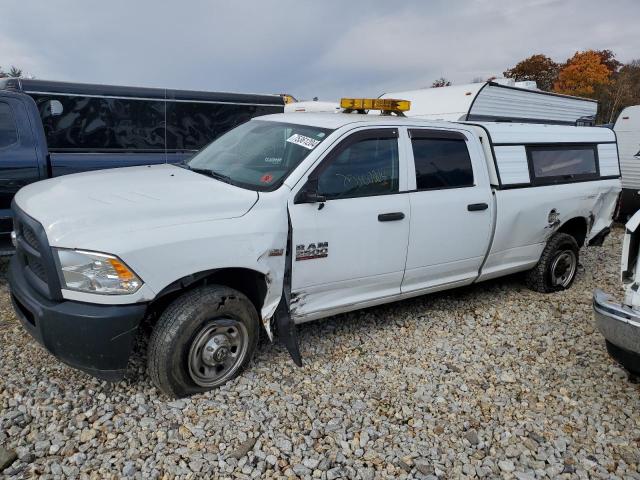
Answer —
443 103
312 106
522 227
166 222
630 262
448 242
526 133
627 128
512 164
608 159
479 100
495 101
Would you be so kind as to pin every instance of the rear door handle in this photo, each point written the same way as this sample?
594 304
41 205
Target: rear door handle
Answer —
476 207
390 217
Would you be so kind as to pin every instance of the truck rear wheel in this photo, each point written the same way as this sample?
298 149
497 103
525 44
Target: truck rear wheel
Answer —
556 270
203 339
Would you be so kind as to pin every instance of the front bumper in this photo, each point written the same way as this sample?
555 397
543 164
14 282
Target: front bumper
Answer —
619 324
96 339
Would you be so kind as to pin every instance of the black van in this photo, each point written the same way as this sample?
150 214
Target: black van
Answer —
51 128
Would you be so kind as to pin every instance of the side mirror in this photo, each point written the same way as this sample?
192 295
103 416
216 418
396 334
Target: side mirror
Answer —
309 194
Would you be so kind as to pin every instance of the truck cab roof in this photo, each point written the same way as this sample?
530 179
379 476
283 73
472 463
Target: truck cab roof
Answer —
500 132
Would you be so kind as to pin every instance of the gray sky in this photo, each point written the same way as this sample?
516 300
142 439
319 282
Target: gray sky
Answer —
325 48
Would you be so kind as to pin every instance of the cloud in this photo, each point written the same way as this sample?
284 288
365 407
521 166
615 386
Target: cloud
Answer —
307 48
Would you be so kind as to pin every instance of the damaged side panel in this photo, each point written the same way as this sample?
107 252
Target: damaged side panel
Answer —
528 217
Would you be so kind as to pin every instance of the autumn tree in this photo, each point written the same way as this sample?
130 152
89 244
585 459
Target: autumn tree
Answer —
539 68
622 91
582 74
441 82
608 58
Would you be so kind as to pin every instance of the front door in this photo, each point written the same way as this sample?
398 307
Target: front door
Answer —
350 250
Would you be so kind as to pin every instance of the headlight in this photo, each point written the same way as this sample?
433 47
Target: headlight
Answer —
94 272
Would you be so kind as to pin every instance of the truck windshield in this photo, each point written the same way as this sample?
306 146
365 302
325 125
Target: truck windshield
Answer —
258 155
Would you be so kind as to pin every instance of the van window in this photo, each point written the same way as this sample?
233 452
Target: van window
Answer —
8 130
95 123
562 163
364 168
441 163
192 125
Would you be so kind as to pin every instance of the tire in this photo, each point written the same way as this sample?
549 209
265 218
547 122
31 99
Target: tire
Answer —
203 339
629 360
561 249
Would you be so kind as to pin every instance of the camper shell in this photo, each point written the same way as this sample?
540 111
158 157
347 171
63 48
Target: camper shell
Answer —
495 101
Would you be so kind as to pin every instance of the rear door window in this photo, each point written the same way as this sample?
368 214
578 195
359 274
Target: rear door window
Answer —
441 160
8 129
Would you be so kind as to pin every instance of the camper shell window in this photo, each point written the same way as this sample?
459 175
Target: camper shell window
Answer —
551 164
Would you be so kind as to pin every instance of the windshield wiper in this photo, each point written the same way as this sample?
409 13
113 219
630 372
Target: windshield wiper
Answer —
211 173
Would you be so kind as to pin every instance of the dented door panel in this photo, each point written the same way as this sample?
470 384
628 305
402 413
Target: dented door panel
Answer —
527 217
343 255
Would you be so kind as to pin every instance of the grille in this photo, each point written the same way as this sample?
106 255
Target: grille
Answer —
35 256
30 237
37 268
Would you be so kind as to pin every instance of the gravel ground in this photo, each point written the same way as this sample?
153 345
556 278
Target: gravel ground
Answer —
490 381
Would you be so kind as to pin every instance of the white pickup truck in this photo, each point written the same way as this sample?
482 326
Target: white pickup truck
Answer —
294 217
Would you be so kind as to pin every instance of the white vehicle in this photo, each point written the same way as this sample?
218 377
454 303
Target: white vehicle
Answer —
294 217
312 106
627 128
498 100
620 323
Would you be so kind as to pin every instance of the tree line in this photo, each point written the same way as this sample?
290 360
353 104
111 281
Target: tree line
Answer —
595 74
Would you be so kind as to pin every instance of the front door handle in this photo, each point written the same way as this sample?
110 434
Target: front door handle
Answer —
390 217
476 207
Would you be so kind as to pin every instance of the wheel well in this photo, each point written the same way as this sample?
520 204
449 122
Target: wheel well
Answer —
253 284
577 228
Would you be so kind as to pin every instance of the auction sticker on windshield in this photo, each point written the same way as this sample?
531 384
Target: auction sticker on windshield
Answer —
303 141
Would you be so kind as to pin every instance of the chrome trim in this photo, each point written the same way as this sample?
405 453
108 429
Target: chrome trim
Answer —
619 324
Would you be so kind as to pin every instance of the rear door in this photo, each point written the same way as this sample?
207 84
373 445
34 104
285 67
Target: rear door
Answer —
451 209
18 156
350 250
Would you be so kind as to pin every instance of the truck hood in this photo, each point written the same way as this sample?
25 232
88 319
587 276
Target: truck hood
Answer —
124 200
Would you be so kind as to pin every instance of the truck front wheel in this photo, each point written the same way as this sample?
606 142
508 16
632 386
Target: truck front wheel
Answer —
203 339
556 270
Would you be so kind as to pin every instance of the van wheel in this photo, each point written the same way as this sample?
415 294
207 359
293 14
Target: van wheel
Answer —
629 360
557 267
203 339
